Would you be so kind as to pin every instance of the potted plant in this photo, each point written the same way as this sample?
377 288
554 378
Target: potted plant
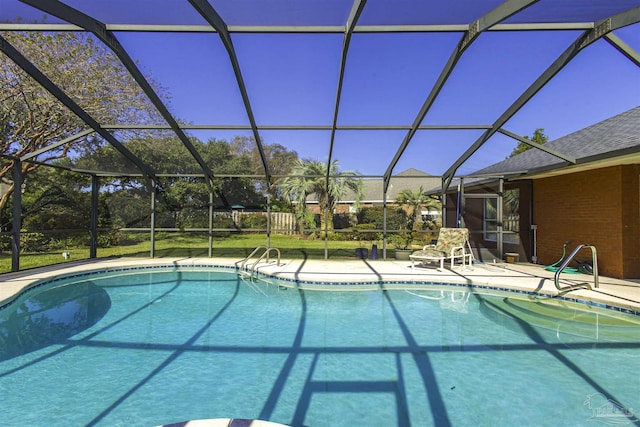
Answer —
402 244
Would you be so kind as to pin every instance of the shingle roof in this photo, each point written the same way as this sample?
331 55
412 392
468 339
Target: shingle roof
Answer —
610 138
408 179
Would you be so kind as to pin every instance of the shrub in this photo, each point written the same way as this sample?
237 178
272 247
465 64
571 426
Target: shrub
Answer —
396 217
361 233
5 243
336 236
109 238
57 244
341 221
224 221
33 242
402 240
253 221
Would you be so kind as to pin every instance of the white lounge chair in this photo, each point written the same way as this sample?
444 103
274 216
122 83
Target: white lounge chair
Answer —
452 244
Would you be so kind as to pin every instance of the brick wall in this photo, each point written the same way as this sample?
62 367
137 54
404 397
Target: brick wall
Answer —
599 207
631 221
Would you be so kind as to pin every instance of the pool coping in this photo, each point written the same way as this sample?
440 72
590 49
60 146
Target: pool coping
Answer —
524 278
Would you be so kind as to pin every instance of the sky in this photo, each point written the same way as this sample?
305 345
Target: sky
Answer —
293 79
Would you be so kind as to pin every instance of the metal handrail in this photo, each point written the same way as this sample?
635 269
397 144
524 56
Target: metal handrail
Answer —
594 259
244 261
265 254
252 269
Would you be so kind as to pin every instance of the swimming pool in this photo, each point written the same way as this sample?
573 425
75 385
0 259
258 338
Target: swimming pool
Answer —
156 346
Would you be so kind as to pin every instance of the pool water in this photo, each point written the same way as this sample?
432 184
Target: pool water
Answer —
152 347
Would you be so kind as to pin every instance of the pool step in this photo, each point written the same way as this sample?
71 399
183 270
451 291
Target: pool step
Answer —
577 312
562 318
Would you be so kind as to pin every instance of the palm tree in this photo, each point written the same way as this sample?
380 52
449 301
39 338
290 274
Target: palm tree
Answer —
414 200
309 177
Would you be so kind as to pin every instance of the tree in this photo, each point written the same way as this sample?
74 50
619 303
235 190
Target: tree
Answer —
56 200
182 199
308 177
538 138
31 118
414 200
279 159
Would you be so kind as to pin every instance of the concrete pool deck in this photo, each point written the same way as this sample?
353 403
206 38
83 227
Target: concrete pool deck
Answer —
519 276
623 294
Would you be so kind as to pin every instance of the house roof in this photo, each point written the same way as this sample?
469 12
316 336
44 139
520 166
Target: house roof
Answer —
409 179
614 140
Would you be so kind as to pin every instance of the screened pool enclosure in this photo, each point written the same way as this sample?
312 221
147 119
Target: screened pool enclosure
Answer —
140 122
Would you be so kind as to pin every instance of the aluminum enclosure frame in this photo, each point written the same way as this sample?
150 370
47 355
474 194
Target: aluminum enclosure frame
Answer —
490 22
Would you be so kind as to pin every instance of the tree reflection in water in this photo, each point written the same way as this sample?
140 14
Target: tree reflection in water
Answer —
50 316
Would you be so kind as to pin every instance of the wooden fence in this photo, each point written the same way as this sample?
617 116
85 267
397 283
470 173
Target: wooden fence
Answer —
281 222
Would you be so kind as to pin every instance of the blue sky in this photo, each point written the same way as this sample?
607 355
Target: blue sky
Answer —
292 79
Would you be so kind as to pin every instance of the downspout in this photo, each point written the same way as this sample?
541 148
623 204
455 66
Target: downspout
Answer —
534 227
534 255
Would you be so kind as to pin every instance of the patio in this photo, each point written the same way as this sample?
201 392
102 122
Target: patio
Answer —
371 274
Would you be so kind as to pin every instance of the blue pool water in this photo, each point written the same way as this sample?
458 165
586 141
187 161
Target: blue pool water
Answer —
151 347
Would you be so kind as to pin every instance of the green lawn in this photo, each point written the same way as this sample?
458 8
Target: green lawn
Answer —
236 246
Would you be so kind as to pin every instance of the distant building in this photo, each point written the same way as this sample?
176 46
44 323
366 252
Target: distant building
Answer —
411 179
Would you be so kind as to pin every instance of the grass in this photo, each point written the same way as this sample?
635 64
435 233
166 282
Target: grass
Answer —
191 245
